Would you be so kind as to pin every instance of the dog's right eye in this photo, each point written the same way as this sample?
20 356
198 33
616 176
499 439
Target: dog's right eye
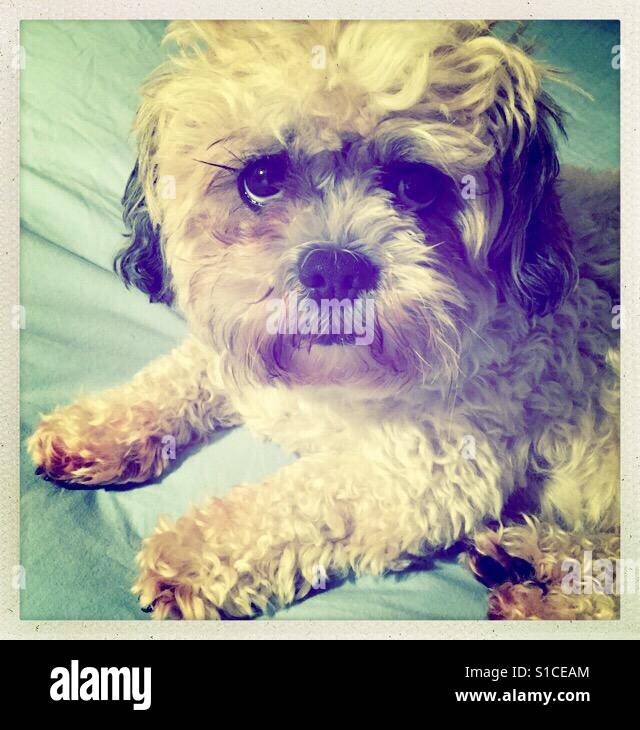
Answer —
416 186
262 180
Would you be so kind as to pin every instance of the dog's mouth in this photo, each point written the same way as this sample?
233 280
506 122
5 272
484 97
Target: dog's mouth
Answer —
328 340
302 324
340 345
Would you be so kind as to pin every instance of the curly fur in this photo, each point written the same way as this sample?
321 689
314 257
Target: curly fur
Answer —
544 547
493 317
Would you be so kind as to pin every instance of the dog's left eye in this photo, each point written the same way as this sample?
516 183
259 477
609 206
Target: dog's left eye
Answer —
262 180
416 186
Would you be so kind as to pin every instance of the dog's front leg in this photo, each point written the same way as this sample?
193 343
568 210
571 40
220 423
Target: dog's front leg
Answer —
130 433
267 545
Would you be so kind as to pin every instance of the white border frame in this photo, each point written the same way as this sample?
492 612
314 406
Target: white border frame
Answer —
627 11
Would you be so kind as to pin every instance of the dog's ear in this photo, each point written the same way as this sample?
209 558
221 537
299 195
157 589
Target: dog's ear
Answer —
141 263
531 254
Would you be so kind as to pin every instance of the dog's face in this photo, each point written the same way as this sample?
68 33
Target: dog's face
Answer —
406 167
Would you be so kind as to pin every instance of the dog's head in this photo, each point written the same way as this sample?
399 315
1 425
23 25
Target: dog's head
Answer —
407 167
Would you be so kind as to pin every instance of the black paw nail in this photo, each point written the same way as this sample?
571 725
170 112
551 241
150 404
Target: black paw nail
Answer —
147 609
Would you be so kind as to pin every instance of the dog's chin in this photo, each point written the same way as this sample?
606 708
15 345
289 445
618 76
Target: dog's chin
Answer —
330 360
337 361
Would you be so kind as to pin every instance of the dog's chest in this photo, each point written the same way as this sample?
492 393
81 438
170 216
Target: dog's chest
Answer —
304 424
299 424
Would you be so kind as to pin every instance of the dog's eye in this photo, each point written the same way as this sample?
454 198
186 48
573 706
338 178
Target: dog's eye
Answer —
262 180
416 186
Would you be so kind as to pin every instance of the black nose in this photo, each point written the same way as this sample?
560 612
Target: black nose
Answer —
330 273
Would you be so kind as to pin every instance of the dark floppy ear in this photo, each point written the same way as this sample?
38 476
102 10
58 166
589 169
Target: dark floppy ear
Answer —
531 255
141 263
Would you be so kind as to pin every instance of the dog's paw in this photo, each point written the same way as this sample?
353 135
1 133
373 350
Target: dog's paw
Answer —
506 555
522 564
499 567
534 601
165 600
516 591
82 446
191 569
175 572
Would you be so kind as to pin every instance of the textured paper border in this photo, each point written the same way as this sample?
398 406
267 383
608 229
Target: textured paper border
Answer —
10 15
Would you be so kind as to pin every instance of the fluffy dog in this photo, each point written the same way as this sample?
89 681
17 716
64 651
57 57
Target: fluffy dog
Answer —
411 164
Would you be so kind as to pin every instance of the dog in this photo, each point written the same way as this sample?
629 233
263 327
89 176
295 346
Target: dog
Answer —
409 166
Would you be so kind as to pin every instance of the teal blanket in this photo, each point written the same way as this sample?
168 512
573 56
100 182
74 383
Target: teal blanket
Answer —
85 332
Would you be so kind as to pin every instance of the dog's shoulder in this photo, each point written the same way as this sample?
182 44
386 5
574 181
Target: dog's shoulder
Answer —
591 206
